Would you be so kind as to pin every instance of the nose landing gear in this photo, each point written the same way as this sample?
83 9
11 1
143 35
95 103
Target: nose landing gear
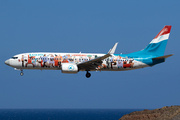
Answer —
21 73
88 74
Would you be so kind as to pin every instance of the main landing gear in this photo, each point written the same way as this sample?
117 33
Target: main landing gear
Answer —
88 74
21 73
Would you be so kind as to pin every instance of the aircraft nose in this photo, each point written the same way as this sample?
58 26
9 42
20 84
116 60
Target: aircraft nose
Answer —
7 62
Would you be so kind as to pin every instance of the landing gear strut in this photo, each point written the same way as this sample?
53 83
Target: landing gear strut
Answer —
21 73
88 74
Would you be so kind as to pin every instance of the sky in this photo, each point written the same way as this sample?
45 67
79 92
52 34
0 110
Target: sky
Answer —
90 27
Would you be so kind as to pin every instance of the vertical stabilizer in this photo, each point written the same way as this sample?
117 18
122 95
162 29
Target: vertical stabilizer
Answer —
158 45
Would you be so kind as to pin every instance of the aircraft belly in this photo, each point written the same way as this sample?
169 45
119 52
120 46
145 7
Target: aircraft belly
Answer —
122 66
139 64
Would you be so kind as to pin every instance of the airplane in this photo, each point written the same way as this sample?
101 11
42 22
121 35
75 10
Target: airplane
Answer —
72 63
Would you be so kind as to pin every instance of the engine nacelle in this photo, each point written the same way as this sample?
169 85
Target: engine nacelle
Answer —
69 68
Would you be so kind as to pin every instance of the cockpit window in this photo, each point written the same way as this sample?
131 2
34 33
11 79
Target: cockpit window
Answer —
14 57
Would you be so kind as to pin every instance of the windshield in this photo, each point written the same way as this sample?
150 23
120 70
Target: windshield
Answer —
14 57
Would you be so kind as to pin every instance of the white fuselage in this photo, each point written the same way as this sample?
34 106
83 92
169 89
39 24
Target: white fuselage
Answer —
54 61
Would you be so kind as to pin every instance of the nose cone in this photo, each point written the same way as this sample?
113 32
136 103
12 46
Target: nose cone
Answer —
7 62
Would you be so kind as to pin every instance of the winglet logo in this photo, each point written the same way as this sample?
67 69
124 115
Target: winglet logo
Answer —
70 67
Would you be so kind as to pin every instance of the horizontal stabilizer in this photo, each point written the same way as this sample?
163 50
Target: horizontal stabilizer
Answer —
161 57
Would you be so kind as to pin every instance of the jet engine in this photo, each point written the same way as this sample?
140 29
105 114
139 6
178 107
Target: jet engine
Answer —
69 68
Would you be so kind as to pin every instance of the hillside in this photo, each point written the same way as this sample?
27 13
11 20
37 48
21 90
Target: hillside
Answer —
165 113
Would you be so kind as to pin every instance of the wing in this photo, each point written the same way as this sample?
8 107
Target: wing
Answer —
94 63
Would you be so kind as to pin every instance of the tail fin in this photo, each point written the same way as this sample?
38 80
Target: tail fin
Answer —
158 44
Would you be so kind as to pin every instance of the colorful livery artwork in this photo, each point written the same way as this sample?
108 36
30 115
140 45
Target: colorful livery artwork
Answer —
55 60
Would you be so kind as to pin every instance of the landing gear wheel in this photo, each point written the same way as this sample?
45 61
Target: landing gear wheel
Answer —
88 74
21 73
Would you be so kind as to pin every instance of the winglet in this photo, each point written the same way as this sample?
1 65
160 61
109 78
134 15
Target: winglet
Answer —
112 50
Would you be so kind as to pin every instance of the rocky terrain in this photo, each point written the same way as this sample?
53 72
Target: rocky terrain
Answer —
165 113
